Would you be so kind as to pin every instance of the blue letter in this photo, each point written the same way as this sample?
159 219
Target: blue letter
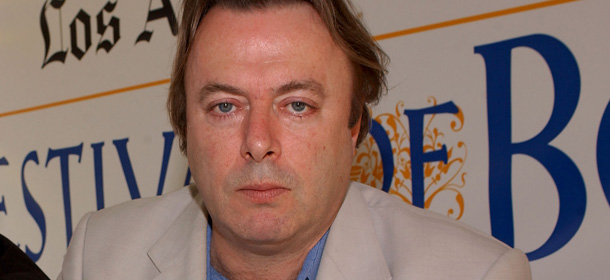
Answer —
130 178
385 150
187 179
603 152
33 208
3 161
167 149
568 180
99 174
64 155
418 157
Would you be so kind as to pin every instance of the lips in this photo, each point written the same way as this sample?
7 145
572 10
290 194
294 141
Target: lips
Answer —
262 193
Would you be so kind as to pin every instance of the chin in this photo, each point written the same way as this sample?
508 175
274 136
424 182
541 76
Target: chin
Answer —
265 228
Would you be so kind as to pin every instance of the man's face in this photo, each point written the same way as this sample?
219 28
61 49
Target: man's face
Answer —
268 100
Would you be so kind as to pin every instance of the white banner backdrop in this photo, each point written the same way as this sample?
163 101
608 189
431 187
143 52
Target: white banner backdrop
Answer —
496 116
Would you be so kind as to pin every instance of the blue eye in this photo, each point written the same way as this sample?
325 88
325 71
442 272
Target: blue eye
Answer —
225 107
298 106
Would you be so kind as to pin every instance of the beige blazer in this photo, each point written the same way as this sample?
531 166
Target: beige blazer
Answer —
374 236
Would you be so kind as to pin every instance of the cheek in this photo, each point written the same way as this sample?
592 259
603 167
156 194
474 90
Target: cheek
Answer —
320 151
207 152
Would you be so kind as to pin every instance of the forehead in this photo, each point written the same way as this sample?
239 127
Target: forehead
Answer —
229 38
276 21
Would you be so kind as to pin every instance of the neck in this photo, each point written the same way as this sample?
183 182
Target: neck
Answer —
257 262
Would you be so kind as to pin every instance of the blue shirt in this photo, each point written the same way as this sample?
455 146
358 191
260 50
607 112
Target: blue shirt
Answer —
309 271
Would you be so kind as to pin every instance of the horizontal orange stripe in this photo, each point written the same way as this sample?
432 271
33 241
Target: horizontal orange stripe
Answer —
86 97
471 19
378 38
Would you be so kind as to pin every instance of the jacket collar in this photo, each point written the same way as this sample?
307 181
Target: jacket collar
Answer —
352 249
181 252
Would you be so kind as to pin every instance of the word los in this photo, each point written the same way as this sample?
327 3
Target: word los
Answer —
81 43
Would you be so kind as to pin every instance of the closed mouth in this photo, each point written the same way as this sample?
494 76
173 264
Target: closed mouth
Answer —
262 193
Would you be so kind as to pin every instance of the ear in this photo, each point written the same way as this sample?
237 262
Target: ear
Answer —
354 133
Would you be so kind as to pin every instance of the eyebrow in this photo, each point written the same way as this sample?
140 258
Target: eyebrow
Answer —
217 87
294 85
310 85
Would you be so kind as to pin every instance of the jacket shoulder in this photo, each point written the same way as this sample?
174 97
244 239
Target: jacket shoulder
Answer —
157 210
115 240
418 242
138 222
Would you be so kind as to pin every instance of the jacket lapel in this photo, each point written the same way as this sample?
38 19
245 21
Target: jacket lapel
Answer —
352 250
181 252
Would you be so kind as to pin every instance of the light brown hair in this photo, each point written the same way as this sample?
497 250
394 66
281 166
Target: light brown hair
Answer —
367 59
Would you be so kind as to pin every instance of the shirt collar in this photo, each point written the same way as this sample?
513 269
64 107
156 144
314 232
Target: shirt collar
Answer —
309 271
312 261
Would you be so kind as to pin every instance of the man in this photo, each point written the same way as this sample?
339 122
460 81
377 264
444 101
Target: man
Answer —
259 98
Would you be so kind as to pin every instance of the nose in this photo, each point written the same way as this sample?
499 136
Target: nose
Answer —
260 141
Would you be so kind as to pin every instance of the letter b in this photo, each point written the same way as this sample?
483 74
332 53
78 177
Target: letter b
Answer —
568 179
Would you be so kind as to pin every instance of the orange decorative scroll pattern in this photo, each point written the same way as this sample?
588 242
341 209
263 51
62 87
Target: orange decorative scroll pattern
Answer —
442 181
